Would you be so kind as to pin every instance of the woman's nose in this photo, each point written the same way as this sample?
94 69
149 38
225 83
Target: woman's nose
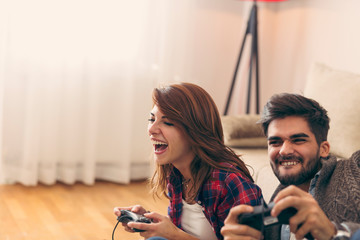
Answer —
153 128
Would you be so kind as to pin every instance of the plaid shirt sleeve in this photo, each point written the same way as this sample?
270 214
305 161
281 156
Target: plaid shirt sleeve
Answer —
175 203
225 191
237 190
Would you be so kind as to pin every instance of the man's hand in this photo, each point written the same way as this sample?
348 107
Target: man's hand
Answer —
232 230
309 216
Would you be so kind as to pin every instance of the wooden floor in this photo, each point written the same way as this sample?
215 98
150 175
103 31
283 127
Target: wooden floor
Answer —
77 212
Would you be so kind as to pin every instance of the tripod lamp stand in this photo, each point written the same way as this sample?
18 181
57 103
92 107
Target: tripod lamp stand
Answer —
251 29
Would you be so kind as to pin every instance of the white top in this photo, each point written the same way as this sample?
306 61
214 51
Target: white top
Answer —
194 222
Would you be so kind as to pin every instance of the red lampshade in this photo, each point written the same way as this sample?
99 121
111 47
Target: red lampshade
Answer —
265 0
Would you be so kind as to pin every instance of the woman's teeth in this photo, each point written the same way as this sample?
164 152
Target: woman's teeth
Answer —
158 143
159 146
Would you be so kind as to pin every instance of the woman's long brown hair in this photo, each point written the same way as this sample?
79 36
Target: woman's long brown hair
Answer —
194 112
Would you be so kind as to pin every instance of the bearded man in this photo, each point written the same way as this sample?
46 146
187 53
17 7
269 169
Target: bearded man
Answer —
324 190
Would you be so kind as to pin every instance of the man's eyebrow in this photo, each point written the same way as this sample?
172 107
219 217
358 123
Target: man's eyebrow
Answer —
274 138
298 135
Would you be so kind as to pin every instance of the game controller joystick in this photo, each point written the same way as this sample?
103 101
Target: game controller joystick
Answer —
128 216
261 218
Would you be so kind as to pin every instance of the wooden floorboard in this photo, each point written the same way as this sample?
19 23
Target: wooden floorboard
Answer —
76 212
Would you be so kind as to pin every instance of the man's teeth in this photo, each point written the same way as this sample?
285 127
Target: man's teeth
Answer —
288 163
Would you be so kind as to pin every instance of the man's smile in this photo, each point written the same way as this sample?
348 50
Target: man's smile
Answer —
288 163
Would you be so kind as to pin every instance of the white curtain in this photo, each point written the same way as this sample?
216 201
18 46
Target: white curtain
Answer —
75 90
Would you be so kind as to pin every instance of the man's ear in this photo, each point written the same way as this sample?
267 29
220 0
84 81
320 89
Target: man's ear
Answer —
324 149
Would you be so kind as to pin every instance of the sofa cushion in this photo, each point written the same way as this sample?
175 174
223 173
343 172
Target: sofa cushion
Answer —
338 92
243 131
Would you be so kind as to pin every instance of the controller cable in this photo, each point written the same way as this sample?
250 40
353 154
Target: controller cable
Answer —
115 228
263 204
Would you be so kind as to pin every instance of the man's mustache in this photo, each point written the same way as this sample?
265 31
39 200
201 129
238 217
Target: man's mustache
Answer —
289 158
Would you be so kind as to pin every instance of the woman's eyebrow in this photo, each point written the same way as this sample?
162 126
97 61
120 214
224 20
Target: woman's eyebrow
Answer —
161 117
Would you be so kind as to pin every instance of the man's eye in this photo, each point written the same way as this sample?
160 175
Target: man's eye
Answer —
300 140
274 143
151 120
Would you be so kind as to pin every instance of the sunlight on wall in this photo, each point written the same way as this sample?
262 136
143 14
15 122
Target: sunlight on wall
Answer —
54 30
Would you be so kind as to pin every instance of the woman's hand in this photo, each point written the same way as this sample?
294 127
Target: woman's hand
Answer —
160 227
136 209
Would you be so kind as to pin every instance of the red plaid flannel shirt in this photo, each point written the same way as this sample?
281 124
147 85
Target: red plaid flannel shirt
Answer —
218 194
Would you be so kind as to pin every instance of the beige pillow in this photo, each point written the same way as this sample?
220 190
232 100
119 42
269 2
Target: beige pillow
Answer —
339 93
243 131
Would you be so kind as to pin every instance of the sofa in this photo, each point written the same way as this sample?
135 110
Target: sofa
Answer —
336 90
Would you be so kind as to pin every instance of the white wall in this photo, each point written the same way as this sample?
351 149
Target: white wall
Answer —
202 45
303 32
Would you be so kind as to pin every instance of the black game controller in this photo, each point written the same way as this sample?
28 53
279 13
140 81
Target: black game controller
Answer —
261 218
128 216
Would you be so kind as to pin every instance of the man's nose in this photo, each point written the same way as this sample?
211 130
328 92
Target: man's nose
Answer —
286 148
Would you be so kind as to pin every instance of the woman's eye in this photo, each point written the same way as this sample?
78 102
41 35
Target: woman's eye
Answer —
169 124
151 120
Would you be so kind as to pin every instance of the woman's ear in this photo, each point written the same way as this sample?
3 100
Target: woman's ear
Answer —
324 149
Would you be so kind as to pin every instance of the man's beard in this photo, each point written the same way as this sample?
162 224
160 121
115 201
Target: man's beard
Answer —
306 173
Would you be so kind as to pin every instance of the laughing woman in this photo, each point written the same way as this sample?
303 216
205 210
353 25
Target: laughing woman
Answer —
201 177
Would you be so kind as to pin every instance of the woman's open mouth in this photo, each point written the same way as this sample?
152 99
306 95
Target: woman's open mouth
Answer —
159 147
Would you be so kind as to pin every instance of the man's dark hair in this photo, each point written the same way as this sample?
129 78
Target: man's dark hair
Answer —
287 104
